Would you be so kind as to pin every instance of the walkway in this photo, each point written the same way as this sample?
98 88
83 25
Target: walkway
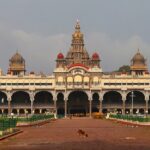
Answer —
62 134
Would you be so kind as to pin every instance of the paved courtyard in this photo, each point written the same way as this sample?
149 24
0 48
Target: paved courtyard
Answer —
62 134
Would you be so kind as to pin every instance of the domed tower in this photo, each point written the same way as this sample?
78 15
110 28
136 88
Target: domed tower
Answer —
77 53
60 61
95 61
138 64
17 65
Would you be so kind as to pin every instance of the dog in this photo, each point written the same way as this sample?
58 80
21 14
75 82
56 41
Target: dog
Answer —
82 133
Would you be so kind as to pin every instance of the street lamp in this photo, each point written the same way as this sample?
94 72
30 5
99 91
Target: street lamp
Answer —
132 96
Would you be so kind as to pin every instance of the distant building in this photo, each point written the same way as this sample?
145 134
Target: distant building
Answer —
77 86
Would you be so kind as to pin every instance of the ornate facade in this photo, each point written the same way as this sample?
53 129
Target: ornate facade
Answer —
78 85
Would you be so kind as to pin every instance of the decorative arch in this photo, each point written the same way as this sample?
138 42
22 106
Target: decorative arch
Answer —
138 101
43 99
20 99
78 103
3 99
78 78
112 100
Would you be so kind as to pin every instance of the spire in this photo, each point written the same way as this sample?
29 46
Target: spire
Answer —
77 27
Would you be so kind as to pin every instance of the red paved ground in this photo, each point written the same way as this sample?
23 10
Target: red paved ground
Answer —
62 134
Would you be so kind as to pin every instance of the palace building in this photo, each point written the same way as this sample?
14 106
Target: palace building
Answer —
78 85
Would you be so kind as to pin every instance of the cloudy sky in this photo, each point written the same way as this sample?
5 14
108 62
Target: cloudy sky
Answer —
40 29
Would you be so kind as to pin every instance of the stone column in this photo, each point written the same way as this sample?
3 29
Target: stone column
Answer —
40 111
9 103
55 106
146 102
123 102
123 106
90 108
147 106
32 100
32 106
100 105
65 100
18 112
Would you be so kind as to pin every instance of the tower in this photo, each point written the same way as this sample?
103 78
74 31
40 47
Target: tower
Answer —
16 65
138 64
77 53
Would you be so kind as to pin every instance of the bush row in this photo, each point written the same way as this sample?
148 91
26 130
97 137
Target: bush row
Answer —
130 117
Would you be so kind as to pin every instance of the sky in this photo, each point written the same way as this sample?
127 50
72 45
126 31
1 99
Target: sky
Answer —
40 29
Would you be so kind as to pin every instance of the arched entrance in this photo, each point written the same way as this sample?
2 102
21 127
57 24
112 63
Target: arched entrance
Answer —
60 104
139 103
20 99
14 111
112 102
95 103
78 103
43 100
3 100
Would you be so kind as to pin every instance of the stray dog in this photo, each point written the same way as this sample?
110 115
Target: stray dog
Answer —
82 133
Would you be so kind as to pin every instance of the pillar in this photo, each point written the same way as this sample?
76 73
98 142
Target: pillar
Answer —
32 94
124 94
9 102
65 108
18 112
146 109
123 106
55 106
100 105
90 108
40 111
9 107
31 106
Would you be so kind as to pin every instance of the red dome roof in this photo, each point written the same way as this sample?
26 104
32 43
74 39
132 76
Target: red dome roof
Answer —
95 56
60 56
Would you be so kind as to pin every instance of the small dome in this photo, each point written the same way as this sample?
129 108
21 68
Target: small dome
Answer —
17 58
60 56
138 58
95 56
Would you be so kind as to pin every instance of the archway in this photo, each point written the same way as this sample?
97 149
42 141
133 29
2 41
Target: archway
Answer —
5 111
21 111
60 104
3 100
95 103
138 101
14 111
20 99
112 101
37 111
78 103
43 99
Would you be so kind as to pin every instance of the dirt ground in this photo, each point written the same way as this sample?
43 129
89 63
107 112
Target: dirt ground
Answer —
62 135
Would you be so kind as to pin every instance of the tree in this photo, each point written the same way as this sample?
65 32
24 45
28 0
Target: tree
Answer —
124 68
